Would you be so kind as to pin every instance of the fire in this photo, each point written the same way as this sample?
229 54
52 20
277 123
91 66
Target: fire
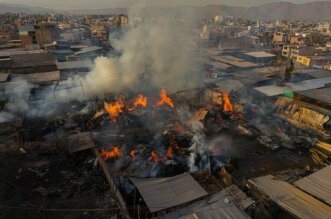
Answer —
180 129
164 99
155 157
170 152
132 153
140 101
113 153
114 109
227 106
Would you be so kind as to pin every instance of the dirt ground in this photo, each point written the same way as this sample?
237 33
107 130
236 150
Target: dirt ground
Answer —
39 184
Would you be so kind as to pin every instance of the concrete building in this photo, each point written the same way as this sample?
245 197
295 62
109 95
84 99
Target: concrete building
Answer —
280 37
27 34
298 40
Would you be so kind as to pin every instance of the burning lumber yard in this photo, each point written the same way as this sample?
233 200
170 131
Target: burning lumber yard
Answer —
144 129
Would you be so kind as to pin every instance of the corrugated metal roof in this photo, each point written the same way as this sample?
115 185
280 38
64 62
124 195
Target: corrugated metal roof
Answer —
323 95
273 90
291 199
260 54
31 60
317 184
3 77
163 193
40 78
9 52
87 50
74 64
220 205
237 62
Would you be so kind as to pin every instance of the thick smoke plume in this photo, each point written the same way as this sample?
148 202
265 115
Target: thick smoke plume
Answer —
155 51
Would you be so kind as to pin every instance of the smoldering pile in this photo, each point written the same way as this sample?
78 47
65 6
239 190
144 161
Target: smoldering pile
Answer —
157 136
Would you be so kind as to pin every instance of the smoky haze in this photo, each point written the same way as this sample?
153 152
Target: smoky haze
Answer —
156 51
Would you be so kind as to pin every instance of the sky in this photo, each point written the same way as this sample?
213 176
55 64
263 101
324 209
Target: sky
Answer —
98 4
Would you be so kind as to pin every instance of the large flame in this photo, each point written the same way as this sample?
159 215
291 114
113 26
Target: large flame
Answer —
164 99
140 101
227 106
114 109
155 157
113 153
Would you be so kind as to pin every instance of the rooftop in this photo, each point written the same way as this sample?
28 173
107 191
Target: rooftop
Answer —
291 199
220 205
163 193
25 28
35 59
317 184
74 64
260 54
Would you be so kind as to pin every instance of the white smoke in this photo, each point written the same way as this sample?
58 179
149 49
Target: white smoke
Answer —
154 53
198 147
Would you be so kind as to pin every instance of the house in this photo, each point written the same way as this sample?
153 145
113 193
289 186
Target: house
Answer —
280 37
27 34
298 40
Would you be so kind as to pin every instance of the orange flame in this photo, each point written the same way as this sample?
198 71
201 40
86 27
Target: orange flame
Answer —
114 109
164 99
180 129
132 153
170 152
155 157
113 153
227 106
140 101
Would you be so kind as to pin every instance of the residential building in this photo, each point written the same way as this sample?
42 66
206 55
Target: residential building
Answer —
280 37
27 34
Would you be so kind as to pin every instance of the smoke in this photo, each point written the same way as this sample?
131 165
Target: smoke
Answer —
198 149
155 52
16 95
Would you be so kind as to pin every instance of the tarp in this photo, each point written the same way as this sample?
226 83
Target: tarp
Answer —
291 199
163 193
317 184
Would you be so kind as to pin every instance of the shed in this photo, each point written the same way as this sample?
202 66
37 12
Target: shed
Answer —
163 193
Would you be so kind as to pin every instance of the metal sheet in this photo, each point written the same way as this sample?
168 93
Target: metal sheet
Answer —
317 184
291 199
163 193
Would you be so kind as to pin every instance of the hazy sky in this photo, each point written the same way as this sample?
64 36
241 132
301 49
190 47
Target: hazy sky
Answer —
81 4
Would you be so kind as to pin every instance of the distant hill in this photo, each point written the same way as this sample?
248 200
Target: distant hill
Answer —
281 10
